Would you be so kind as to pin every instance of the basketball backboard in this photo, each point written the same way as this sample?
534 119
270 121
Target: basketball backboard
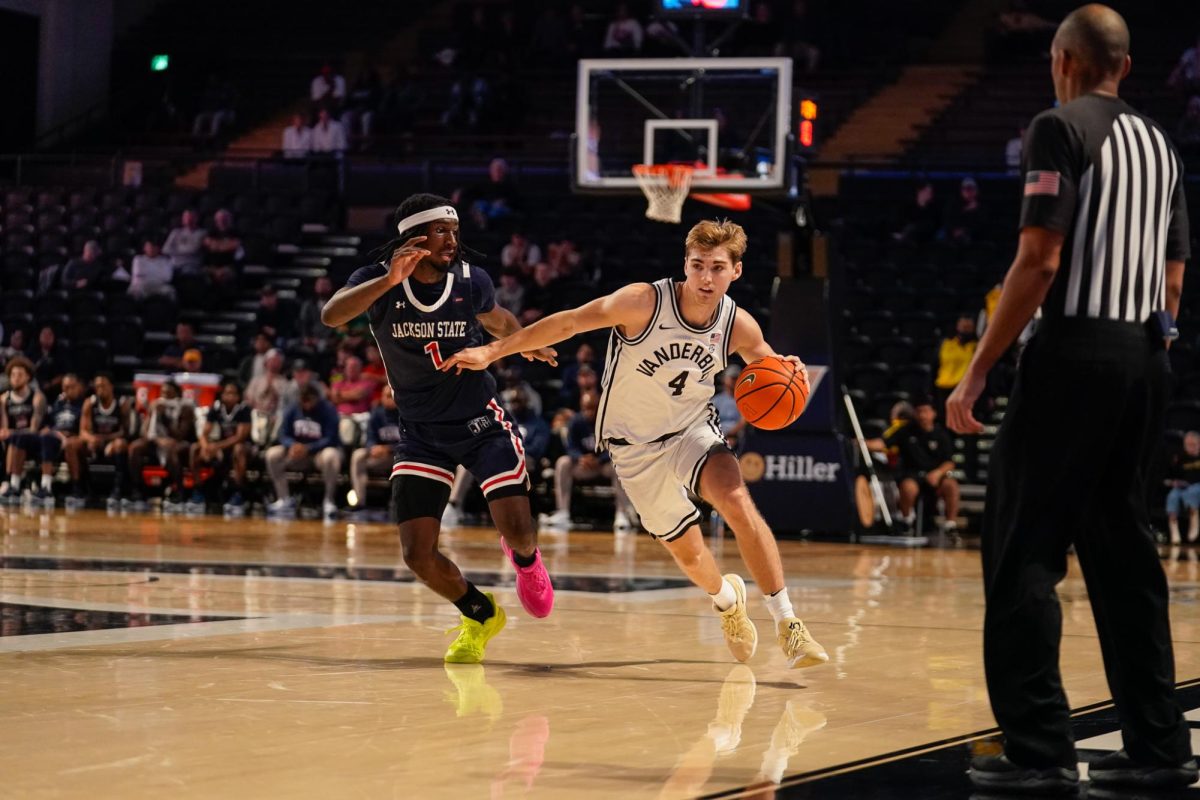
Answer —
730 117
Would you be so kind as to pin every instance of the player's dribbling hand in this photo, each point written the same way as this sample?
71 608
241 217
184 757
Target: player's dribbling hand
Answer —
477 358
960 417
798 365
547 354
405 259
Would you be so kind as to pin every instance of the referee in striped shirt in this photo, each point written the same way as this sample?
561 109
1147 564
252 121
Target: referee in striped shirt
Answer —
1104 237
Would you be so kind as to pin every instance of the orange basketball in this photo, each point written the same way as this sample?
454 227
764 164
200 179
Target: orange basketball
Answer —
770 393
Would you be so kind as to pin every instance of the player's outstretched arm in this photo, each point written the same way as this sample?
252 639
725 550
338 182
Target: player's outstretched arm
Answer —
352 301
749 343
629 308
500 322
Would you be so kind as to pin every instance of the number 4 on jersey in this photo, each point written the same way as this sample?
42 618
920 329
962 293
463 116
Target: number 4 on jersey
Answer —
435 353
677 383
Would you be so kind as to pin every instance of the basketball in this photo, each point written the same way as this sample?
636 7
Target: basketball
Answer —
770 393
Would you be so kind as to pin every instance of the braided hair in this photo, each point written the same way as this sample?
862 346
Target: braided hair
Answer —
415 204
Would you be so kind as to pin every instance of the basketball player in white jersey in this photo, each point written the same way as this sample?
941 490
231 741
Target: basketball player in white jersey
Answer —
669 340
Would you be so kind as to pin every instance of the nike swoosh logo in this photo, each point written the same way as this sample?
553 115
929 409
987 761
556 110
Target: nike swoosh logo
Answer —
666 327
749 378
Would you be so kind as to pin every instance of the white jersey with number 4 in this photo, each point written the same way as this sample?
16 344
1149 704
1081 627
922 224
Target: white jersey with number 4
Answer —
662 381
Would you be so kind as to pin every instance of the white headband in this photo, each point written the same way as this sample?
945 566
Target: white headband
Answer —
421 217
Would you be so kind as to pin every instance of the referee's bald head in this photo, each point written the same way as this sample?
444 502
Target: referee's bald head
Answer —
1098 37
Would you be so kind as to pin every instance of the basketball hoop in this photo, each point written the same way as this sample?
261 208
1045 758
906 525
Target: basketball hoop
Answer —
665 186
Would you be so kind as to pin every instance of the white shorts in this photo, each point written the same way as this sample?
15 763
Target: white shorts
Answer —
657 477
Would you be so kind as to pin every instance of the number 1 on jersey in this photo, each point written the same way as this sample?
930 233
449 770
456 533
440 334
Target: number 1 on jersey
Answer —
435 353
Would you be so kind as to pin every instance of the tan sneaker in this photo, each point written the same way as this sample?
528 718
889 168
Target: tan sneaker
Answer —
740 634
800 649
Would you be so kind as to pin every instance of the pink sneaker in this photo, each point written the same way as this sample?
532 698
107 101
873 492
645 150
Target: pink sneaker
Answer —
533 584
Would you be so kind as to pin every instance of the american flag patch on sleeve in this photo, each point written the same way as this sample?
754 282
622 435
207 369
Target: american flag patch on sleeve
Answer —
1041 182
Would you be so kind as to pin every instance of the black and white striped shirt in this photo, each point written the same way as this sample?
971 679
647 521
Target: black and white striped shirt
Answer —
1110 181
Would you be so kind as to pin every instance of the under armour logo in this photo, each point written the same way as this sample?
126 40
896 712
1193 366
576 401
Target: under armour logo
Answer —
400 304
475 607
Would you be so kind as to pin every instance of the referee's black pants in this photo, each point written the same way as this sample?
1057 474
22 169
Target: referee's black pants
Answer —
1069 466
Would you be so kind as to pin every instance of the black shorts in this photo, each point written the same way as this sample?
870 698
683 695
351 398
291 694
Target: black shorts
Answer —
488 446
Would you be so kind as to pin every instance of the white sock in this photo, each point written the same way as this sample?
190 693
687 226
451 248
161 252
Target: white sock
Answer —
47 481
726 597
15 482
779 605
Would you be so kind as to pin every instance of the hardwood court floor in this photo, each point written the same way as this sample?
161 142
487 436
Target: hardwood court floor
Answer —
207 658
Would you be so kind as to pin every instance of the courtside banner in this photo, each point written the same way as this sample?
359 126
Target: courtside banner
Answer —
800 481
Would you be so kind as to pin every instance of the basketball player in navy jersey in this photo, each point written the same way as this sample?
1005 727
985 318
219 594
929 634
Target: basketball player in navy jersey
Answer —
21 410
60 426
669 341
103 434
424 306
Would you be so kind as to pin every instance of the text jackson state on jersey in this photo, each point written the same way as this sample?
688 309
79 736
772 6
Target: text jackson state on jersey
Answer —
418 326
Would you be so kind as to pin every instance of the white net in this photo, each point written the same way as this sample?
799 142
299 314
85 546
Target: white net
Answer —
665 186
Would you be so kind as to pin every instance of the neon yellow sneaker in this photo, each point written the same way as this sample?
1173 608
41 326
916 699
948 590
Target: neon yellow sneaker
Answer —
798 646
471 694
473 636
740 634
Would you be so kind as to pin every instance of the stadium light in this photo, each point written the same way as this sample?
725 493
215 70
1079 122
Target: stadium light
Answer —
806 133
808 110
160 62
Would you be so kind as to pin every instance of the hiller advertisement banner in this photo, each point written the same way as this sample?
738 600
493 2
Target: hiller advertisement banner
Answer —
800 481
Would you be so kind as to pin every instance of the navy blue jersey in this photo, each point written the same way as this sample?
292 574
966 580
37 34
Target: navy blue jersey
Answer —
418 326
228 419
19 410
106 420
383 426
65 416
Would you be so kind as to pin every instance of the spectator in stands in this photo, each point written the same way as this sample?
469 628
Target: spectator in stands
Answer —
87 271
494 199
297 138
302 376
353 392
662 39
22 409
1185 78
16 346
152 273
185 244
926 459
358 120
624 34
535 433
1183 480
226 445
216 110
60 426
255 363
759 35
314 335
964 214
166 439
49 362
510 294
401 100
796 37
1187 133
540 299
375 458
520 253
103 433
582 463
327 90
1012 151
185 339
308 437
277 322
563 257
730 417
328 135
923 218
587 381
375 372
585 358
954 356
266 393
223 251
1019 31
